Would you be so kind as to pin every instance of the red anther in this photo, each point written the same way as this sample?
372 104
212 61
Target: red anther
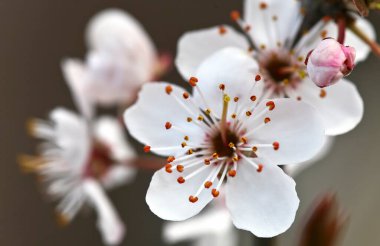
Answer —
208 184
168 125
253 98
181 180
222 87
146 148
235 15
207 162
257 77
276 145
263 5
323 93
168 168
270 105
215 193
266 120
254 148
193 199
248 113
236 99
193 81
185 95
168 89
247 28
232 173
170 159
260 168
222 30
180 168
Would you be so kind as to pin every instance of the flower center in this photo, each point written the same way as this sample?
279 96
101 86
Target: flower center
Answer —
99 161
223 149
279 69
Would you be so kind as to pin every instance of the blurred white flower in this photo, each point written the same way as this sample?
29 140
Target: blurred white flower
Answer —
121 58
271 26
225 131
212 227
77 161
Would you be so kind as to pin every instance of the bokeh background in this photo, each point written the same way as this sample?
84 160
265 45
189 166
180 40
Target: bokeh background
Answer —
36 35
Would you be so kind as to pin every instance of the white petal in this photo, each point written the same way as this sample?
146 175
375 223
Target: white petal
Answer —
109 223
75 75
146 119
198 227
266 31
294 170
169 200
195 46
232 67
118 175
297 127
109 131
72 136
341 109
263 203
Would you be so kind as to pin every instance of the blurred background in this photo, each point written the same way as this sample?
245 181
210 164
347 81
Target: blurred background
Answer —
36 35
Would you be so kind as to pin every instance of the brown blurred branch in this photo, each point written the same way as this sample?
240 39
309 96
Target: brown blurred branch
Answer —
325 223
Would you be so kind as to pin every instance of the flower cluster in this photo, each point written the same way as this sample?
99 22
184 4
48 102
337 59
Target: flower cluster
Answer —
267 98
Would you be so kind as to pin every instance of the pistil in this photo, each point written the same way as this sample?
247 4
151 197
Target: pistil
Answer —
223 120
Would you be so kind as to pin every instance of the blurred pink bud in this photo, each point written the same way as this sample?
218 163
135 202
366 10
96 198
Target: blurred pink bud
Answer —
330 62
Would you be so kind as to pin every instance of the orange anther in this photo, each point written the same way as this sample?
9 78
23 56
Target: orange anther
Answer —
168 125
263 5
183 144
168 168
235 15
189 119
170 159
244 140
222 30
323 93
193 199
207 161
276 145
146 148
257 77
186 138
248 113
266 120
236 99
232 173
208 184
254 148
260 168
181 180
193 81
180 168
168 89
253 98
215 193
270 105
185 95
222 87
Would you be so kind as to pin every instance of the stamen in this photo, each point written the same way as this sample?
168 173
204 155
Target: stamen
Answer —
181 180
193 199
146 148
215 192
259 167
168 89
168 125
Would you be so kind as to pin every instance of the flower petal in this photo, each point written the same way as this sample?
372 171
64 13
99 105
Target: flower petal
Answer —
147 118
195 46
263 203
118 175
296 126
235 69
271 24
109 223
74 72
169 200
340 105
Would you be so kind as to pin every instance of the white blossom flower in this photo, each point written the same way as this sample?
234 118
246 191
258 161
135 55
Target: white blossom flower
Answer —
76 162
121 58
201 230
271 26
225 132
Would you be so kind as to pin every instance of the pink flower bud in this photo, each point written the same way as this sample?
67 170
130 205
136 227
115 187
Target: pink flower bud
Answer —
330 62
